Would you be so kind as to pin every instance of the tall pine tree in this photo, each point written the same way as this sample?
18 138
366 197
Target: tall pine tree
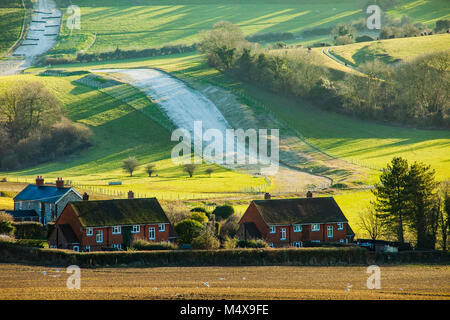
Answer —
392 197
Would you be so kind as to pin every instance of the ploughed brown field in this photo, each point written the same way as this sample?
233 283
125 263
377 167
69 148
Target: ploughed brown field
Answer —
397 282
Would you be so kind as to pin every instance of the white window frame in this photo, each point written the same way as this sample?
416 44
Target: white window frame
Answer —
87 248
99 233
150 231
283 234
273 229
330 228
89 232
136 228
313 227
161 227
298 228
341 241
77 248
315 241
117 246
271 244
297 244
340 226
117 230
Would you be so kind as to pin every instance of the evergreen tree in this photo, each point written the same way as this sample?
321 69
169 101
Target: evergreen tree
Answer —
423 207
391 202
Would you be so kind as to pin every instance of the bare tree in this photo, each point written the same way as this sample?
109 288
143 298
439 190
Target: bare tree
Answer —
370 223
150 169
26 107
209 171
130 165
190 168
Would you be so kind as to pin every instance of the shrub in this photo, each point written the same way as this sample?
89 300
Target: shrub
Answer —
205 241
259 243
364 38
200 217
6 224
143 245
223 212
200 209
187 230
29 230
230 227
230 243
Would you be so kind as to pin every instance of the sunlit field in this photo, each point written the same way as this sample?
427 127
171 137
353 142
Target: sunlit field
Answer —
397 282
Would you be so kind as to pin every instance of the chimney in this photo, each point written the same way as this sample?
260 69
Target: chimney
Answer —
267 196
130 194
309 194
59 183
39 181
85 197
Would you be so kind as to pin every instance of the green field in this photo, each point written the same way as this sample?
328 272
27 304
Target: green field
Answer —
11 22
121 130
392 50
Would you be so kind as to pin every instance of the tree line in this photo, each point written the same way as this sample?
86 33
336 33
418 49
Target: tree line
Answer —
413 92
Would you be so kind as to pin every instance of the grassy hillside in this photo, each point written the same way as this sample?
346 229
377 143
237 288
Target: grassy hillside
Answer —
392 50
106 24
358 141
121 130
154 23
11 22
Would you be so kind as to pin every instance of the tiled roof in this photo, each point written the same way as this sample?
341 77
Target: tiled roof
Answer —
49 194
119 212
300 210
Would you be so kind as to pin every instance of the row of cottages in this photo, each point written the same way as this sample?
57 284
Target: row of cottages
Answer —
292 222
97 225
41 202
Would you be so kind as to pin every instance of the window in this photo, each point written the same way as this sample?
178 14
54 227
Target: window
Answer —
99 236
151 233
136 229
340 226
297 228
271 244
315 227
76 248
273 229
283 233
89 231
341 241
116 230
87 248
117 246
330 231
162 227
297 244
315 241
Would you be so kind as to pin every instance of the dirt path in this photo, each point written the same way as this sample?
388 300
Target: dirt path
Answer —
326 52
184 105
42 34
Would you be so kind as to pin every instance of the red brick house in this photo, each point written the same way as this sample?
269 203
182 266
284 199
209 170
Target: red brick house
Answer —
98 225
292 222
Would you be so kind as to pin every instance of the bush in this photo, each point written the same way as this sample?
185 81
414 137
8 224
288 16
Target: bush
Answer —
230 227
205 241
29 230
200 217
143 245
187 230
364 38
223 212
200 209
230 243
259 243
6 224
